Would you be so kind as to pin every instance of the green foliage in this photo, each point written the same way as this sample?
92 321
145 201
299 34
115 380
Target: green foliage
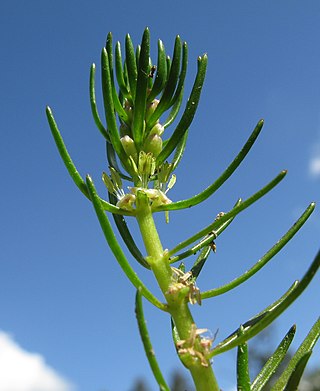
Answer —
141 101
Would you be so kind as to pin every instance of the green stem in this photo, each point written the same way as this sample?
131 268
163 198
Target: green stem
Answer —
203 376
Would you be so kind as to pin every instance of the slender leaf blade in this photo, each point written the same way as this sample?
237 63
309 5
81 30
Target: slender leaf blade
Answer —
189 111
205 194
72 170
170 86
264 259
273 362
296 375
131 66
296 366
127 237
141 90
120 72
232 213
93 103
161 75
267 316
148 348
243 377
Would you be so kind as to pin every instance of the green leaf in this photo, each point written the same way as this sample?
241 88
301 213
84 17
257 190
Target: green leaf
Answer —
110 54
243 377
116 249
268 315
292 374
223 177
161 75
174 111
182 75
141 90
123 115
178 95
110 112
120 72
296 375
73 172
273 362
126 236
201 260
170 87
204 243
131 66
179 151
232 213
93 104
263 260
117 104
189 111
148 348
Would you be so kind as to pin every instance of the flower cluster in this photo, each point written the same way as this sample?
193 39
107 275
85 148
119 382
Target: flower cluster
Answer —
157 196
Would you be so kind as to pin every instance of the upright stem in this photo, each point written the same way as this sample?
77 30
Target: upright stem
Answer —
178 308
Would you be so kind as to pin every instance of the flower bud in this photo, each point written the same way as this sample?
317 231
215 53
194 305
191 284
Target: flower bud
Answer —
153 144
151 108
129 147
157 129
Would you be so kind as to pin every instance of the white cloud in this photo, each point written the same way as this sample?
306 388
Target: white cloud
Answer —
24 371
314 163
314 166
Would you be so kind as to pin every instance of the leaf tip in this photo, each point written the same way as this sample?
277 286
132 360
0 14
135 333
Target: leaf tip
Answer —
89 179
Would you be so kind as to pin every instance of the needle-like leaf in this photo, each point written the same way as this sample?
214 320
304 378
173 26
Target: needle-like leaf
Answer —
243 377
73 172
292 374
178 95
141 90
174 111
120 72
267 316
116 101
161 75
110 111
296 375
126 235
170 87
232 213
131 66
219 182
148 348
273 362
206 242
93 103
263 260
189 111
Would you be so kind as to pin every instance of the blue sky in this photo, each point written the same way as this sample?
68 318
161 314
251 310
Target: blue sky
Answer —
62 296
